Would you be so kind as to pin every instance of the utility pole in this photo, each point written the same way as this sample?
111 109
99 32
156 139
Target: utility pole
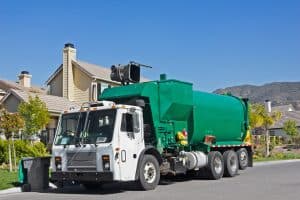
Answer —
269 110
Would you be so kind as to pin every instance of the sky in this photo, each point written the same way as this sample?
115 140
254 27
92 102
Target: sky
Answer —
213 44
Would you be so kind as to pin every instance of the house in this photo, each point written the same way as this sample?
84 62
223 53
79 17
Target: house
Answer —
73 83
288 113
77 80
17 92
2 94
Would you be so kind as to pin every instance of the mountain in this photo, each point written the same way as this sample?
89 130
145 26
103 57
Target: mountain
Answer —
280 93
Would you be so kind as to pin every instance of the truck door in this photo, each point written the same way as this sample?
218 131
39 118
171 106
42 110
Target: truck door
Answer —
131 143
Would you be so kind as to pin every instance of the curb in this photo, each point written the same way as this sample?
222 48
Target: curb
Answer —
275 162
10 191
18 189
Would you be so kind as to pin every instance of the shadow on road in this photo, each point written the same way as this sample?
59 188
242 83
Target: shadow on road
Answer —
120 187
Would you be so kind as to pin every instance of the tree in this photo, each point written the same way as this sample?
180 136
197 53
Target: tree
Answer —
260 118
10 123
35 114
290 128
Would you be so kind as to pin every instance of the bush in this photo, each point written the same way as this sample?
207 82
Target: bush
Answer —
23 149
3 151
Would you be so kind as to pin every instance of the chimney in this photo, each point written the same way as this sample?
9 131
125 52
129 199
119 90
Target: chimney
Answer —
25 79
268 106
69 54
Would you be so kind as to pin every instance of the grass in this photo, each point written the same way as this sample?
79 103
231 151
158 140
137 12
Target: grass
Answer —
8 179
278 156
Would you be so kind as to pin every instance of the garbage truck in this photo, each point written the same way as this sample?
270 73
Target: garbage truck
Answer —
140 131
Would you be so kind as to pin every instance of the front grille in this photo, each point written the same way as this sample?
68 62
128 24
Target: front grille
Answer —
81 161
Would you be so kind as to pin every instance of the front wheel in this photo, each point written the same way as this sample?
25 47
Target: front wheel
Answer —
149 173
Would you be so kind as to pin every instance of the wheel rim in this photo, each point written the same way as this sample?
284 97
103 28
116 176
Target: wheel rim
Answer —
243 157
149 172
233 163
218 165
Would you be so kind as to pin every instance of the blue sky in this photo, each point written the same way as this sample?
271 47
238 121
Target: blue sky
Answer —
213 44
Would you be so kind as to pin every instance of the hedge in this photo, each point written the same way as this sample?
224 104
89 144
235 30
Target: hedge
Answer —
23 148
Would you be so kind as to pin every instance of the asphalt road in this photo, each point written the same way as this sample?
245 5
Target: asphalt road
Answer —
264 182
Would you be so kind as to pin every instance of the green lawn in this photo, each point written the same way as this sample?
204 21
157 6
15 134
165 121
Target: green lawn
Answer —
278 156
8 179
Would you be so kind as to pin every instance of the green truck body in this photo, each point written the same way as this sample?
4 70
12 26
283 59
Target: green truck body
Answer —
138 132
172 106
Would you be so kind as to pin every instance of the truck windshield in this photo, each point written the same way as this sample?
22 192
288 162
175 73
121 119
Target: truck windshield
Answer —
100 126
70 128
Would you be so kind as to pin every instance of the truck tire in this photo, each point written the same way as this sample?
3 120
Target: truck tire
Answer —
231 163
215 165
149 173
243 158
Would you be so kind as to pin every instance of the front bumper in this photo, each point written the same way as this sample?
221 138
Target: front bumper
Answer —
82 176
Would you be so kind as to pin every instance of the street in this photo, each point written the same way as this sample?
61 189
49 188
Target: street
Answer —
275 181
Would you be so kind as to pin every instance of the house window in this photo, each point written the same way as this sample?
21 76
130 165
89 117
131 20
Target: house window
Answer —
100 87
98 91
49 89
94 92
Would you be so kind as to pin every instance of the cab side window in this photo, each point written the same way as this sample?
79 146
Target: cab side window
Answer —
127 123
130 123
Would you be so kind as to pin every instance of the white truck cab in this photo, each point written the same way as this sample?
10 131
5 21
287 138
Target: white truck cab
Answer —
101 142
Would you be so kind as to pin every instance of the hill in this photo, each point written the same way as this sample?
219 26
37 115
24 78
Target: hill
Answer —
280 93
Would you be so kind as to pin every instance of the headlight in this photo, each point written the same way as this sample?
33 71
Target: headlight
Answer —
58 162
106 162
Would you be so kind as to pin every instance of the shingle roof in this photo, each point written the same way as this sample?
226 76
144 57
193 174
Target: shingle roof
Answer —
92 70
284 108
287 115
54 104
7 85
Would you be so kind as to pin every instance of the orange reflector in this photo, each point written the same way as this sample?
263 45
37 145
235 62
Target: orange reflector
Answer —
57 159
105 157
209 139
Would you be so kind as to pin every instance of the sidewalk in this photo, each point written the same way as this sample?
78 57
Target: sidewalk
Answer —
274 162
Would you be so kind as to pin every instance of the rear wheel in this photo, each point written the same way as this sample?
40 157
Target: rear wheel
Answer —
243 158
149 173
215 166
231 163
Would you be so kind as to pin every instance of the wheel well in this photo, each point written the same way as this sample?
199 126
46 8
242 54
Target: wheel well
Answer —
148 151
155 153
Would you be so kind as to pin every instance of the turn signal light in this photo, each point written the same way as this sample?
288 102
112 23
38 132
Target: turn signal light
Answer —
105 157
106 162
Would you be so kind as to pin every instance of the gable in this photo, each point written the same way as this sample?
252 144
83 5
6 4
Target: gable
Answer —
55 86
11 103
